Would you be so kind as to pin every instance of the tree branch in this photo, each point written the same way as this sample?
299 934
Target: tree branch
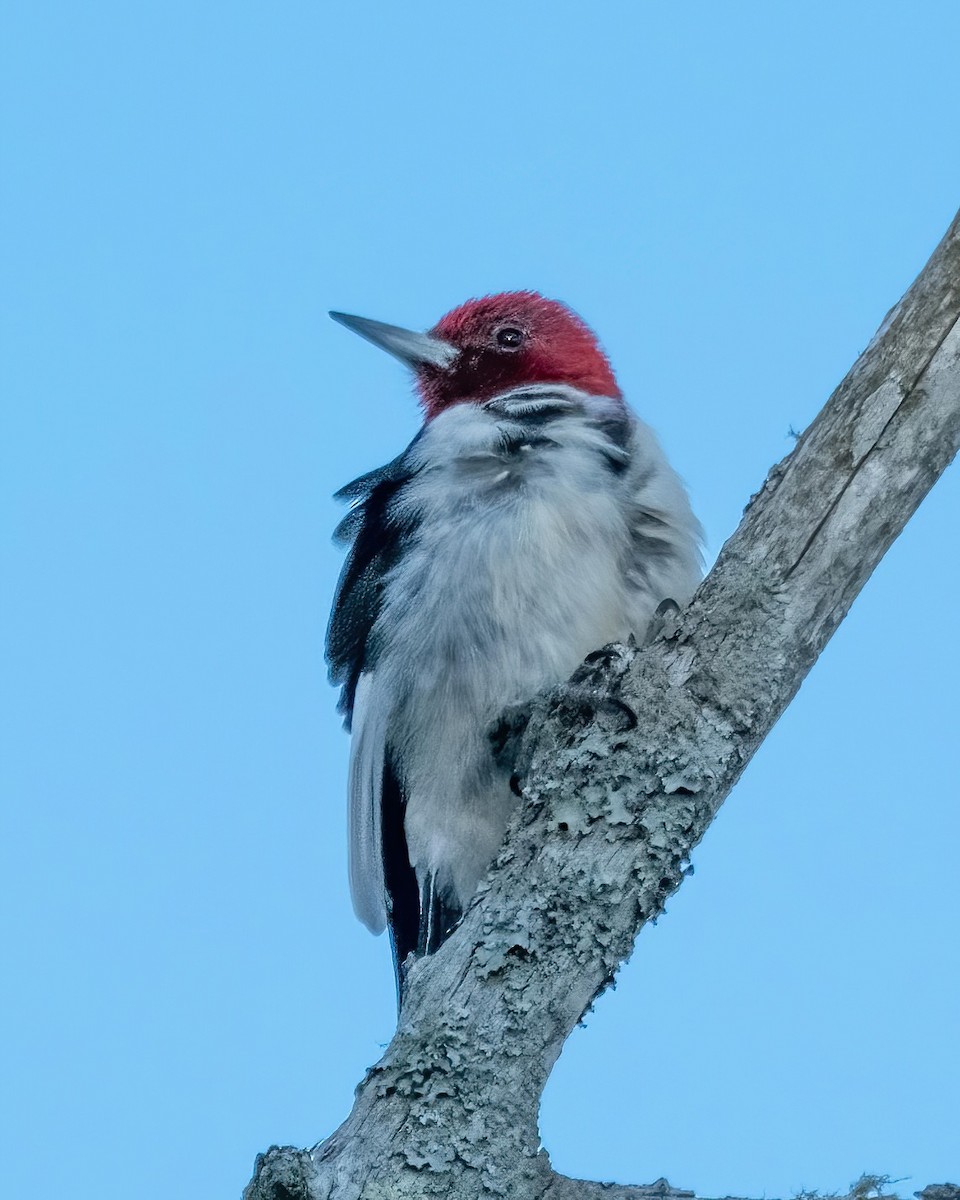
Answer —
562 1188
613 806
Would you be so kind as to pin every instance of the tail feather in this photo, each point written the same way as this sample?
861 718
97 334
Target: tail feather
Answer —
399 877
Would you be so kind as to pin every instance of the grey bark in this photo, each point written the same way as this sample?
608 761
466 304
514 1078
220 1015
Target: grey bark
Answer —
622 771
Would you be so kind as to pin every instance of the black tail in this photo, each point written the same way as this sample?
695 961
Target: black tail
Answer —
403 895
421 918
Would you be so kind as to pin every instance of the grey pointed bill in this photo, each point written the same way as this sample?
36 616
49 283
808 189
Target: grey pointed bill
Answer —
413 349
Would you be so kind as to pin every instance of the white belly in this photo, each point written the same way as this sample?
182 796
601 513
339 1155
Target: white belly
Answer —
518 572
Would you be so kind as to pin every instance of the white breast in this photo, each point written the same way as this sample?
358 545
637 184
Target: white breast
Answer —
519 569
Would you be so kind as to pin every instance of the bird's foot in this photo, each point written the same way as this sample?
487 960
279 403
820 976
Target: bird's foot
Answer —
664 621
581 704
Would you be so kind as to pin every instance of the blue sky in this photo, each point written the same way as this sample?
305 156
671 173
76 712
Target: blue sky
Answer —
733 196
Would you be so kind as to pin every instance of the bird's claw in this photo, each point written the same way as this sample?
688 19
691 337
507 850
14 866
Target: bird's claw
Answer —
664 621
581 704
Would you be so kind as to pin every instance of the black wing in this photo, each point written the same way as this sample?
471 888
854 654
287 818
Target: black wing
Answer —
376 528
376 531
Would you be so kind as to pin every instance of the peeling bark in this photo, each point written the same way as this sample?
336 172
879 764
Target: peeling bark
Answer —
613 806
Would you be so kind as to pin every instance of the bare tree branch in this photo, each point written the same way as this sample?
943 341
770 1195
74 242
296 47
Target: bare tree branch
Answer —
562 1188
622 772
867 1187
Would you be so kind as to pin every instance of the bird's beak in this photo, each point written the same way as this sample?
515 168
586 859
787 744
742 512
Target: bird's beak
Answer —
413 349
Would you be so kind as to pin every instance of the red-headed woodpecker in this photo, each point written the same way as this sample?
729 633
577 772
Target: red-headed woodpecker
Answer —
532 520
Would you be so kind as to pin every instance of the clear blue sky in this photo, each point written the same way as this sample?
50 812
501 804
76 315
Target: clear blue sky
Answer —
733 195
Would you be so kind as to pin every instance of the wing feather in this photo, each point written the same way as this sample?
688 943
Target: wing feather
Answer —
376 531
365 792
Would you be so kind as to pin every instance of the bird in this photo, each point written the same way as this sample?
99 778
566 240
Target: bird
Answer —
533 519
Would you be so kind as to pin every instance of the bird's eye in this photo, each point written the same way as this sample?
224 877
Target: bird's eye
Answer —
509 338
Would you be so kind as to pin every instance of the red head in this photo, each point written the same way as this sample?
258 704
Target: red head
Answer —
490 345
508 340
